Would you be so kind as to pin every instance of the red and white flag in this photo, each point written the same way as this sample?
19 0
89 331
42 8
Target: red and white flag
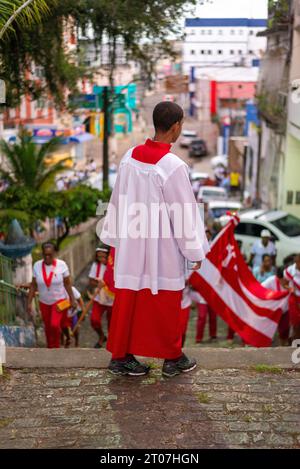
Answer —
231 291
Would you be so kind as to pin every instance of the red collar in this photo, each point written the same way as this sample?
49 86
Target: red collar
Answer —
151 152
158 145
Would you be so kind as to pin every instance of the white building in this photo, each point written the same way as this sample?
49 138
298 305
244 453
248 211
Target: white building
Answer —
223 42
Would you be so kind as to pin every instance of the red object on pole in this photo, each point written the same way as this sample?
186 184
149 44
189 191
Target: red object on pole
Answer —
213 97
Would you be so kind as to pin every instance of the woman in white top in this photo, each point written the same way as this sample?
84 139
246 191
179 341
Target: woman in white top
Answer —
101 303
51 278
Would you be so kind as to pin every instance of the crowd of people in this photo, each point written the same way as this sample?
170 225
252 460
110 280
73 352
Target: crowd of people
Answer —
72 178
62 306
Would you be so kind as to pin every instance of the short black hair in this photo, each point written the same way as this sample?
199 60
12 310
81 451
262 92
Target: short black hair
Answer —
266 255
48 244
280 271
166 114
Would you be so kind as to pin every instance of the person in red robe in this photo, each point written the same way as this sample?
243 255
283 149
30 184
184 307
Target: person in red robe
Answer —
154 224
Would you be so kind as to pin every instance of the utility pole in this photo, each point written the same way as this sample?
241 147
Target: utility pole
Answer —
105 166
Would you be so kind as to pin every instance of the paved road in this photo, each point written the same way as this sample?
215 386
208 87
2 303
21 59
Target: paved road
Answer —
87 408
205 129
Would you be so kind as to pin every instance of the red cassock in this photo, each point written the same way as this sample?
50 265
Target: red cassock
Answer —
143 323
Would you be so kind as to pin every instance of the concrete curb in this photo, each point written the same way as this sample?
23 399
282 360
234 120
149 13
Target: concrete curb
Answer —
208 358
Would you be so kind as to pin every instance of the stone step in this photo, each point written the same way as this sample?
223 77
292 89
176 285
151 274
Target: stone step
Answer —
208 358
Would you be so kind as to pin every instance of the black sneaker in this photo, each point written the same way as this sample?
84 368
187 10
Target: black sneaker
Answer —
180 365
134 367
128 366
116 367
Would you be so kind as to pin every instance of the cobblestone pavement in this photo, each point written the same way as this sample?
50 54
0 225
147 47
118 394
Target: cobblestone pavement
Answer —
77 408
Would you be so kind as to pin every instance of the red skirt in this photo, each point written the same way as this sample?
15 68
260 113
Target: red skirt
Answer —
145 324
294 309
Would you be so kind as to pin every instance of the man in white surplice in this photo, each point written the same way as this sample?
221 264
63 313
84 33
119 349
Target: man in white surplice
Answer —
154 224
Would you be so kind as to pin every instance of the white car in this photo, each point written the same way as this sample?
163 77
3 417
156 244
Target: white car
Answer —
207 193
197 176
219 160
284 228
219 208
187 136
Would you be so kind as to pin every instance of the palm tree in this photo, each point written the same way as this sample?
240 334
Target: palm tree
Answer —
27 162
22 12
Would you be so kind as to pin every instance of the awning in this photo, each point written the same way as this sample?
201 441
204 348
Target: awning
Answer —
81 138
43 140
85 137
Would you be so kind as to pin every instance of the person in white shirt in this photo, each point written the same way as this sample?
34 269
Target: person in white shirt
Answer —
204 311
51 278
186 303
154 224
73 315
279 282
102 303
262 246
292 274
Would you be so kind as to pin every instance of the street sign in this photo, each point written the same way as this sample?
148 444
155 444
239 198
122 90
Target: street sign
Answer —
119 101
86 101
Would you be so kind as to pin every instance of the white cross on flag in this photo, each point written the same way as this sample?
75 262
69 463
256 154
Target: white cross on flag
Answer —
231 291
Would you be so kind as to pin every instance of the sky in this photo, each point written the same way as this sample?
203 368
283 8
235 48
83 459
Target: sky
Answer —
231 9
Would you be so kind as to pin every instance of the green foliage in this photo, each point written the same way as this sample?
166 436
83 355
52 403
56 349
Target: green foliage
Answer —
21 12
142 26
27 161
77 204
278 12
27 205
262 368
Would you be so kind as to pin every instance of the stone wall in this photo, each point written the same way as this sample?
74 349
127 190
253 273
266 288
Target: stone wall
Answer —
78 254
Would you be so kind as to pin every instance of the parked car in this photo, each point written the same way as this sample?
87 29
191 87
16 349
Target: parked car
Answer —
284 228
197 176
219 208
219 160
187 136
207 193
197 148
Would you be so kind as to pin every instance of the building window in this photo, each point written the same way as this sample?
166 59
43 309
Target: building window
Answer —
240 52
232 31
241 32
192 32
220 52
289 197
202 52
232 52
250 52
240 86
251 32
220 32
41 103
297 197
202 31
209 31
192 52
209 52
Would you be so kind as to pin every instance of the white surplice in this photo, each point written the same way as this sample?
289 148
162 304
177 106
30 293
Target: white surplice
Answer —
154 223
